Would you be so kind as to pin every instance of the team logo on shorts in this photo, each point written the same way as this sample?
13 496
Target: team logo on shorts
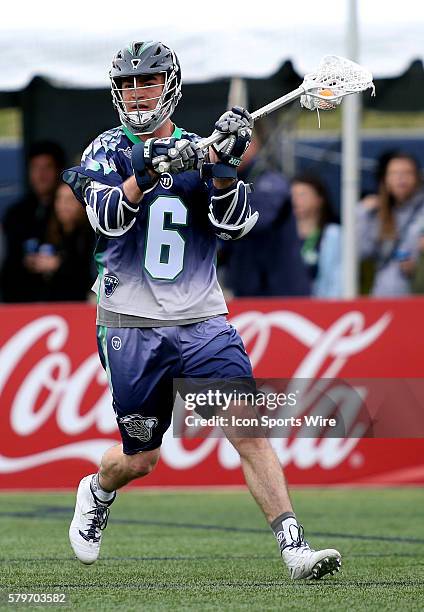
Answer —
166 180
110 282
138 426
116 343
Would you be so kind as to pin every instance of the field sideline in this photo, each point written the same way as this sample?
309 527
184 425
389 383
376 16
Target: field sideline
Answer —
211 550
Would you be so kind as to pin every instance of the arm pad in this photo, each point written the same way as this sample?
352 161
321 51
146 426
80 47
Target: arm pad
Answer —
108 210
230 211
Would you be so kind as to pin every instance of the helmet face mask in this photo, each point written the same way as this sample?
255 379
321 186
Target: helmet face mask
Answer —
134 66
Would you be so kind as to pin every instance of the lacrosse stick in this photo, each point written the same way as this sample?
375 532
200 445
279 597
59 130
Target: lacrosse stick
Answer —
323 89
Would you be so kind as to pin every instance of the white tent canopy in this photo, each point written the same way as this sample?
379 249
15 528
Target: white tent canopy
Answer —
73 43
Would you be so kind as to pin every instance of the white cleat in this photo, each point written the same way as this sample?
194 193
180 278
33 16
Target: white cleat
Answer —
305 563
90 518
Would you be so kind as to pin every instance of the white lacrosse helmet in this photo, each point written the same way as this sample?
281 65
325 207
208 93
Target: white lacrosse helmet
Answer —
143 59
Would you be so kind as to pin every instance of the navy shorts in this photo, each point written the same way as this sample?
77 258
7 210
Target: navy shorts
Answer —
141 364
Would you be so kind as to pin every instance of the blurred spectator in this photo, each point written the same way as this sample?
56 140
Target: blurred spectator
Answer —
25 222
417 281
370 201
62 265
389 228
320 235
267 261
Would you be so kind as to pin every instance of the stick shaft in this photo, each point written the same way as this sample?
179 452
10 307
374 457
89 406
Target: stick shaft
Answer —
257 114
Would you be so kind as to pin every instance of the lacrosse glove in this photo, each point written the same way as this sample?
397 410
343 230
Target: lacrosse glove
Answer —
160 155
146 181
236 125
172 155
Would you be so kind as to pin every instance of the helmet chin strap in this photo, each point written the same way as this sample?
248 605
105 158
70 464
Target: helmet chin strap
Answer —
162 131
137 129
133 116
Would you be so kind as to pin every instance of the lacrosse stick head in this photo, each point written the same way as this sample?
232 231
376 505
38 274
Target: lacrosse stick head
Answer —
334 78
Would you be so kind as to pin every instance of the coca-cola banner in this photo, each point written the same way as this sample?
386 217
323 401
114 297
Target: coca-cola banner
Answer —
56 418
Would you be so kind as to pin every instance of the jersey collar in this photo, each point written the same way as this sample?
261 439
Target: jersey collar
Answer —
177 133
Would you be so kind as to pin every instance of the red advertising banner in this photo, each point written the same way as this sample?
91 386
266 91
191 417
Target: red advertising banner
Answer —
56 418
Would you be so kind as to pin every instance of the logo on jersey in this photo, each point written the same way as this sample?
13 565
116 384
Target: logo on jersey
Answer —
166 180
116 343
127 152
139 427
110 282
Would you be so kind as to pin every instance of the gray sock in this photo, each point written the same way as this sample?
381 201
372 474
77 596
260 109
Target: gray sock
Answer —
99 493
285 528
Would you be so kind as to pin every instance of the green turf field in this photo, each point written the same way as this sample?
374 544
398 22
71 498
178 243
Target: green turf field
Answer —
213 551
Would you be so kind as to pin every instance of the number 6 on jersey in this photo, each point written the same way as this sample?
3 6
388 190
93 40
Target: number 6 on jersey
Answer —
164 255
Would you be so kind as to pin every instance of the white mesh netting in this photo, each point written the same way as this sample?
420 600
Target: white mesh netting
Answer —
335 77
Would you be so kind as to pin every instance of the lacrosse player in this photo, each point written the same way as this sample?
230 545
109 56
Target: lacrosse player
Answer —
161 313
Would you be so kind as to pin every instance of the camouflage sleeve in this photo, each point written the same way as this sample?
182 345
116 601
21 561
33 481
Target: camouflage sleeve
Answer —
97 184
